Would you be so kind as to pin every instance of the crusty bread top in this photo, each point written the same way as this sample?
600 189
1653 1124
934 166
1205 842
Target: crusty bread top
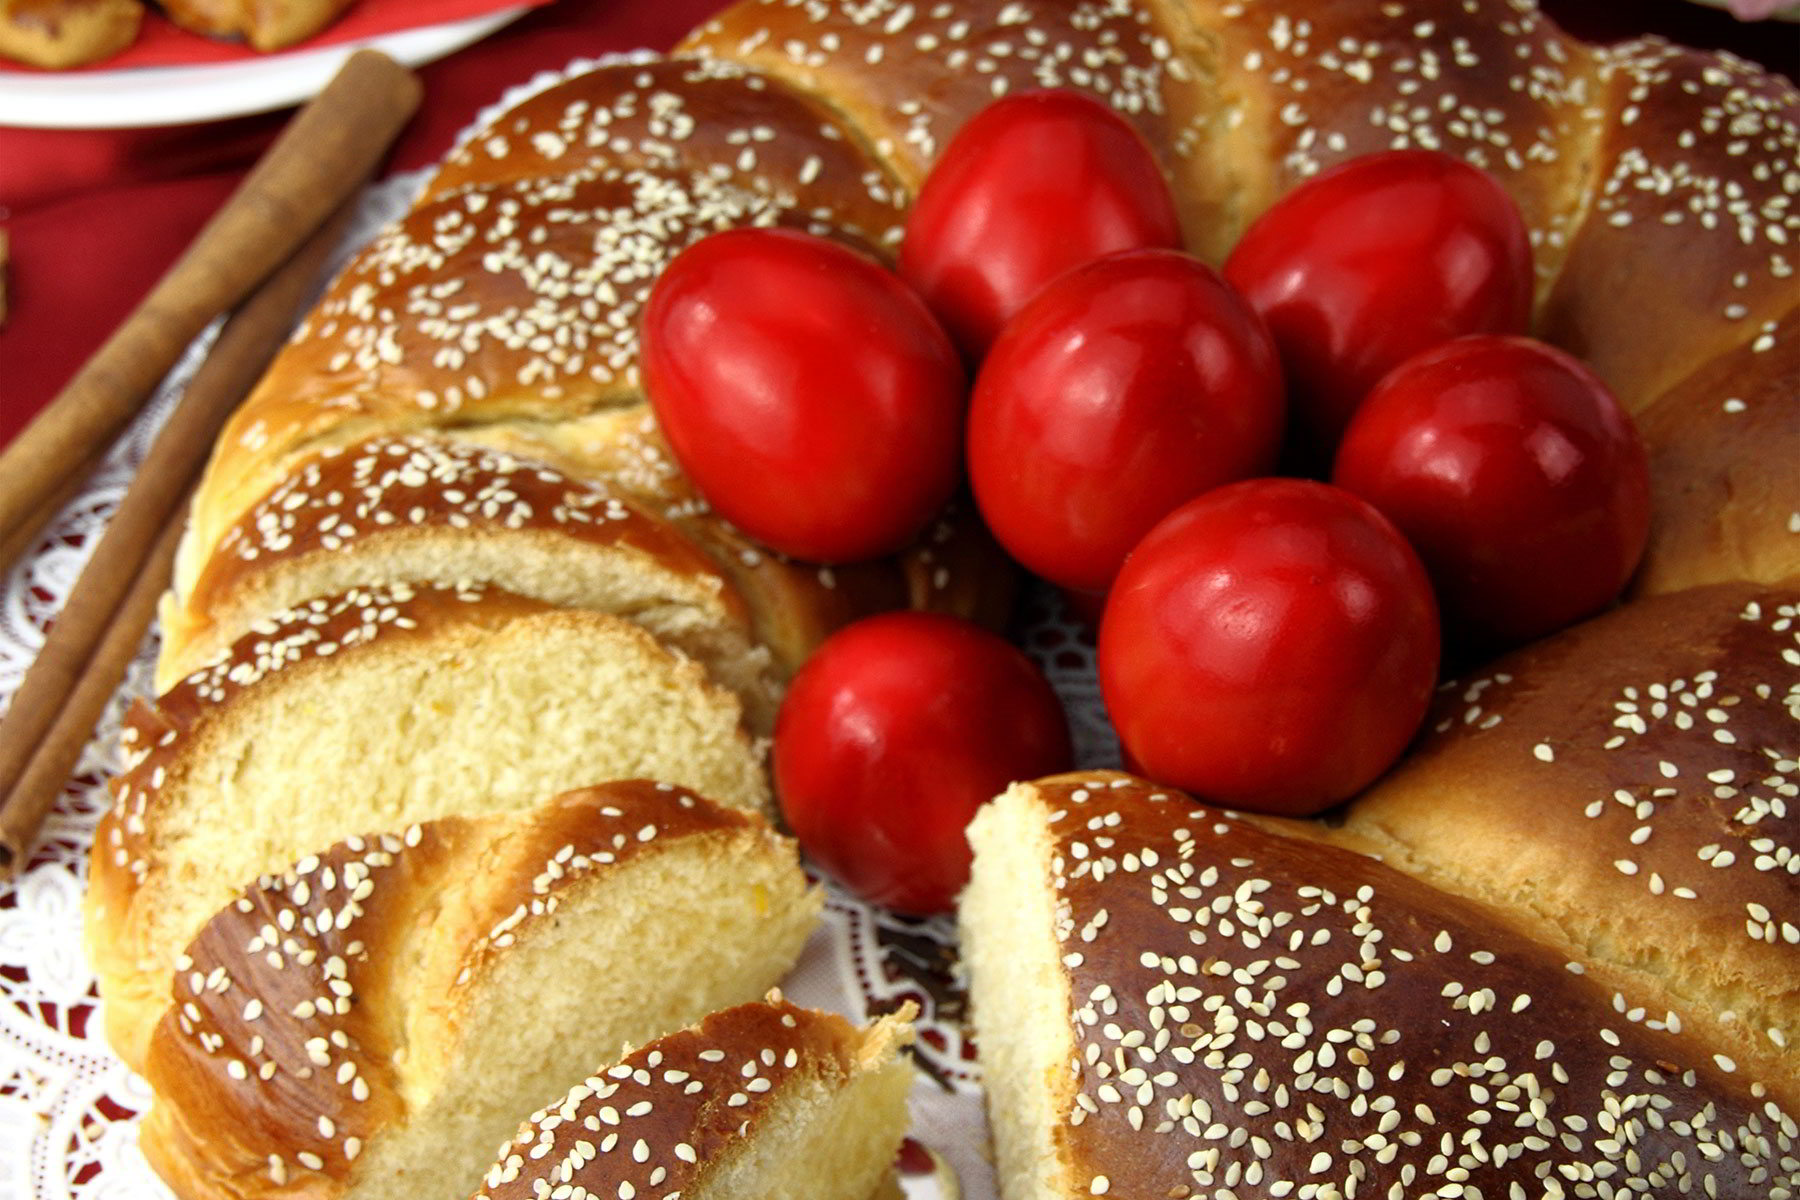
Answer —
688 115
513 293
1692 233
1272 1013
656 1122
907 75
1657 181
279 1056
299 539
1630 786
1725 494
327 501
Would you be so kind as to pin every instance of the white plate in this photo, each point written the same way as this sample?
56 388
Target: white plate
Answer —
1789 12
142 96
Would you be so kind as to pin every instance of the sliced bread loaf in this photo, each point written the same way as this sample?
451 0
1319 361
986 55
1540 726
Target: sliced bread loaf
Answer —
377 709
394 509
371 1022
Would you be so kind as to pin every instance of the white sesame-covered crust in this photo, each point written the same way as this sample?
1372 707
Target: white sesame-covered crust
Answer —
1631 788
908 74
502 313
294 1044
1254 1014
510 295
394 509
339 708
663 1120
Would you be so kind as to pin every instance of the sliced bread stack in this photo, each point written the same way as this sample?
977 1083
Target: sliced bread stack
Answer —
378 709
373 1020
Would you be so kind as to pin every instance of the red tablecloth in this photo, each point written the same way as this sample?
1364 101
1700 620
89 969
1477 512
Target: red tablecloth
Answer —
95 217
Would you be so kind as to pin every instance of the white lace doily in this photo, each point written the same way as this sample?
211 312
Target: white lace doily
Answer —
69 1109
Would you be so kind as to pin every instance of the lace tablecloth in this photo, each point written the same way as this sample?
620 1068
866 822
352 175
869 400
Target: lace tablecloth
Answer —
69 1109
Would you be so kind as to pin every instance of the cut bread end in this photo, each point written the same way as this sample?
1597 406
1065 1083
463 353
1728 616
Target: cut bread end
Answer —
394 509
1019 993
381 1046
429 703
764 1101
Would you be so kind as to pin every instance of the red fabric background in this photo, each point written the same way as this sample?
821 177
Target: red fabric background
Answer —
94 218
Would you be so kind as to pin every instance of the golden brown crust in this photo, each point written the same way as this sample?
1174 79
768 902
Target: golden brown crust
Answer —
516 302
1691 234
393 489
511 295
657 1122
1254 1011
1297 91
954 566
277 1064
687 115
1723 447
1627 790
908 75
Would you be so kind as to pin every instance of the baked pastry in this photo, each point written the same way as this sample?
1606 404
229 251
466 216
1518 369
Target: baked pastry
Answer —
760 1102
264 24
1174 1001
498 317
1627 790
357 1027
501 312
67 33
403 509
377 709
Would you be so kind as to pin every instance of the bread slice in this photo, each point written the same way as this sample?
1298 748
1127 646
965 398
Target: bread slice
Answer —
760 1102
1173 1001
377 709
356 1028
395 509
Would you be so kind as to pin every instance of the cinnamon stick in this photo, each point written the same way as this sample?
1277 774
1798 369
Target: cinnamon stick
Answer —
49 769
21 539
326 150
34 726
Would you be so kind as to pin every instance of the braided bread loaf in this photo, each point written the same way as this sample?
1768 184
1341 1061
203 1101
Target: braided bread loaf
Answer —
501 311
487 342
